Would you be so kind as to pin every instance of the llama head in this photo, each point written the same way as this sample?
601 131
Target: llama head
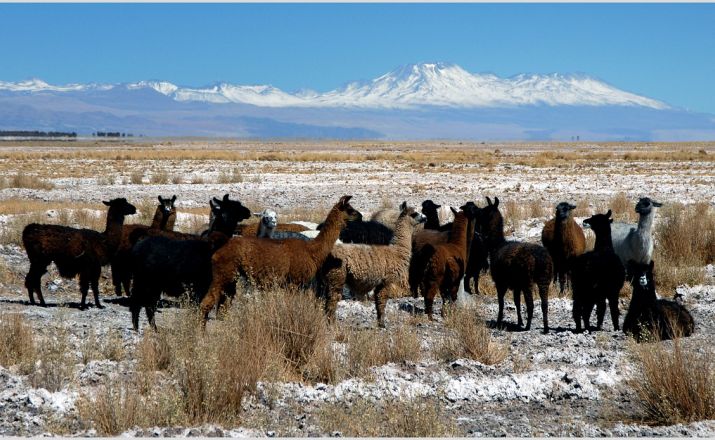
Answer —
268 217
349 213
415 217
563 210
641 276
645 205
490 220
471 210
429 208
599 222
167 205
120 207
226 214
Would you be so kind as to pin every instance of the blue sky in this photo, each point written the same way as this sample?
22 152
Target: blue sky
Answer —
664 51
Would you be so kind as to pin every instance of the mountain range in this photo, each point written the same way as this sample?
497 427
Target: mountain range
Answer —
418 101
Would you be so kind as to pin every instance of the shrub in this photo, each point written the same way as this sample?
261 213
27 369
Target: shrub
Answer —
469 337
673 385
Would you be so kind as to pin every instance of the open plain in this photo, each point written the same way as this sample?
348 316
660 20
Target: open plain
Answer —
67 371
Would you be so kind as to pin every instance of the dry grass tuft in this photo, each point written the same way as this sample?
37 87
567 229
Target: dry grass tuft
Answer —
136 177
469 337
674 385
366 348
685 243
388 418
159 177
22 180
55 360
17 344
233 177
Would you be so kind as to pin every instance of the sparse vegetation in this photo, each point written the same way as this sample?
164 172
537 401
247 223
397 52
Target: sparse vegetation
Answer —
674 384
22 180
469 337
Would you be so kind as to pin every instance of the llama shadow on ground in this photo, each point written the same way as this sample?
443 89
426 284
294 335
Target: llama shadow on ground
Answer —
48 305
411 308
514 327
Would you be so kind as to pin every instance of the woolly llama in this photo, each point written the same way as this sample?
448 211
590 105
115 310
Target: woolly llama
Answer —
631 242
363 268
650 317
597 276
564 239
74 251
516 266
263 262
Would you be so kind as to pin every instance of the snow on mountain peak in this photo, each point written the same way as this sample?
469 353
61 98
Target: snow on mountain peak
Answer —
410 86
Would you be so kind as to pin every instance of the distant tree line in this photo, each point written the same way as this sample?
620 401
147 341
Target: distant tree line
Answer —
36 133
115 134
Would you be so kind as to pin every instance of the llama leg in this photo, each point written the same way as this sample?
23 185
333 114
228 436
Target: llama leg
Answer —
544 296
135 307
476 283
588 308
501 293
95 289
150 311
33 282
380 301
126 283
468 282
576 313
529 298
600 313
84 288
562 281
517 303
117 278
430 292
613 305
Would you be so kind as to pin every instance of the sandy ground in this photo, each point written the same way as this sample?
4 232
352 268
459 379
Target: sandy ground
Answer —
560 384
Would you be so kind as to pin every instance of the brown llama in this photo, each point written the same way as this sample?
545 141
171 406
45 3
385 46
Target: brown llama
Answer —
74 251
164 220
445 267
363 267
564 239
516 266
264 262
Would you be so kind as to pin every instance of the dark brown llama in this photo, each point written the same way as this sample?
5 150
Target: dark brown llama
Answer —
74 251
164 220
516 266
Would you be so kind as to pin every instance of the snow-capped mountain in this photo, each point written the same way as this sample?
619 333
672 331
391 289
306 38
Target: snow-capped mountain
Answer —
419 101
411 86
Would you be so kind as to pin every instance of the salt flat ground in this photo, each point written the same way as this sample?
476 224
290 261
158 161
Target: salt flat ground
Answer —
556 384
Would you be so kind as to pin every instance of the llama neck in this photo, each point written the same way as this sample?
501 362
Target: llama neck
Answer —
494 236
645 222
459 232
264 231
113 230
432 221
603 240
323 243
403 233
219 225
163 221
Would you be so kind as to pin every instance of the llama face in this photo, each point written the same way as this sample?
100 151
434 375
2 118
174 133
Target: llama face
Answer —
269 218
350 214
430 208
599 222
121 206
416 217
645 205
563 209
167 205
471 210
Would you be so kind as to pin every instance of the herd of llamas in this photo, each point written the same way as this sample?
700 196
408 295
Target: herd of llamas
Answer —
394 253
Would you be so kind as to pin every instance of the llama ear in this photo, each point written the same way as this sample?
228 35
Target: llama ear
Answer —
656 204
403 206
258 214
161 199
107 203
216 201
496 201
608 214
572 207
489 201
173 199
345 199
651 265
225 197
454 211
